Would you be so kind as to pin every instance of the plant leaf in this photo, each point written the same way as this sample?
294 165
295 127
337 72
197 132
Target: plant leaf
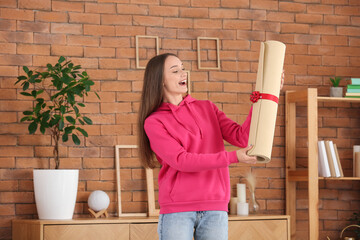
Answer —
28 113
82 131
75 139
26 86
26 94
81 104
61 124
87 120
65 137
32 127
61 59
26 69
70 119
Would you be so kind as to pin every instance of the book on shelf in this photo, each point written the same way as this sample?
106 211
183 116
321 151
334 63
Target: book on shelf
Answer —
324 169
338 160
353 95
355 81
353 90
353 86
334 158
330 159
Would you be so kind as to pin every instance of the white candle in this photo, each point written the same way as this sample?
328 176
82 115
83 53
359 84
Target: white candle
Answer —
233 205
242 209
241 192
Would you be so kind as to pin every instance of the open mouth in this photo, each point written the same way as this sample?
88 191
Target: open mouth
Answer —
182 83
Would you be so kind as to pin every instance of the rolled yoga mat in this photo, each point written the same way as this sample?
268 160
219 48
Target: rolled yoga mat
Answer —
265 99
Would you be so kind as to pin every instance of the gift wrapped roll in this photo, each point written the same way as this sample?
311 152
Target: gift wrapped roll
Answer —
265 99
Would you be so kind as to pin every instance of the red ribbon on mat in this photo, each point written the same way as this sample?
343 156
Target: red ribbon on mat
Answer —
256 95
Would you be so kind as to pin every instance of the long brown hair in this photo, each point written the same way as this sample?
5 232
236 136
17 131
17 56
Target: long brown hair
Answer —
151 99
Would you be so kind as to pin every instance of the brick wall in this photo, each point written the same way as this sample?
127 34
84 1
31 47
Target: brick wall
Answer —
322 38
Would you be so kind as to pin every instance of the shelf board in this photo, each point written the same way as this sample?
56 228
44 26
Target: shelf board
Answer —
337 99
302 176
340 178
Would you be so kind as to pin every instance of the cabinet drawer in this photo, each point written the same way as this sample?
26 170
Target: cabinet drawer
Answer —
143 232
88 232
264 230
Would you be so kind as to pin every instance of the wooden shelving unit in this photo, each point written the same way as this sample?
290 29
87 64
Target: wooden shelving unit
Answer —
294 175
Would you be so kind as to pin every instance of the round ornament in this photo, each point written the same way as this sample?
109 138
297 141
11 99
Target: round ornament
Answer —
98 200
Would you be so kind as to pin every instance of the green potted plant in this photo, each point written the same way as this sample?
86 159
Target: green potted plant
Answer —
57 94
335 90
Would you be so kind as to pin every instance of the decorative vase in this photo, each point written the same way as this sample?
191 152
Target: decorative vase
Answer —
336 92
254 206
55 193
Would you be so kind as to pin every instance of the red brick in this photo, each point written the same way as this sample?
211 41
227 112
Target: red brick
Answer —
147 21
166 11
35 4
266 26
280 17
145 2
176 44
334 40
322 29
115 86
45 38
99 52
129 30
9 25
43 60
223 13
131 9
349 31
336 20
319 70
292 7
347 10
8 3
294 28
237 24
66 28
116 19
102 74
307 39
194 12
61 50
207 24
321 50
33 27
7 186
307 60
347 51
309 18
50 16
335 61
100 8
115 107
8 140
33 162
16 197
67 6
33 49
78 40
8 117
17 14
89 18
22 37
178 23
235 45
264 4
235 3
99 30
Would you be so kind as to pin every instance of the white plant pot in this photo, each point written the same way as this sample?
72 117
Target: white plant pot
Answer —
55 193
336 92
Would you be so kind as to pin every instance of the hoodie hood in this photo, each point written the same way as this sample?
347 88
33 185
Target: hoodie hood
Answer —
184 114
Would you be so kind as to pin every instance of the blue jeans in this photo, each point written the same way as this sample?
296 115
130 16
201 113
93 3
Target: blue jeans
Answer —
202 225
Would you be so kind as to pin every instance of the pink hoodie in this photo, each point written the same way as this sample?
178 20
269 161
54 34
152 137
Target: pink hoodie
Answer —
188 142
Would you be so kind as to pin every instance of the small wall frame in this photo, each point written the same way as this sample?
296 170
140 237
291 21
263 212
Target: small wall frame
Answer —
137 37
152 211
217 53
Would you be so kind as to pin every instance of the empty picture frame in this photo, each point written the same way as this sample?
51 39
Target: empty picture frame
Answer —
152 211
137 37
118 181
217 53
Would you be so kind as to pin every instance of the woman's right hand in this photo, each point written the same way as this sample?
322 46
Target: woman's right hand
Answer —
242 156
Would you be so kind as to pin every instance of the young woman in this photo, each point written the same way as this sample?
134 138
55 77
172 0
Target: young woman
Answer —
186 137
